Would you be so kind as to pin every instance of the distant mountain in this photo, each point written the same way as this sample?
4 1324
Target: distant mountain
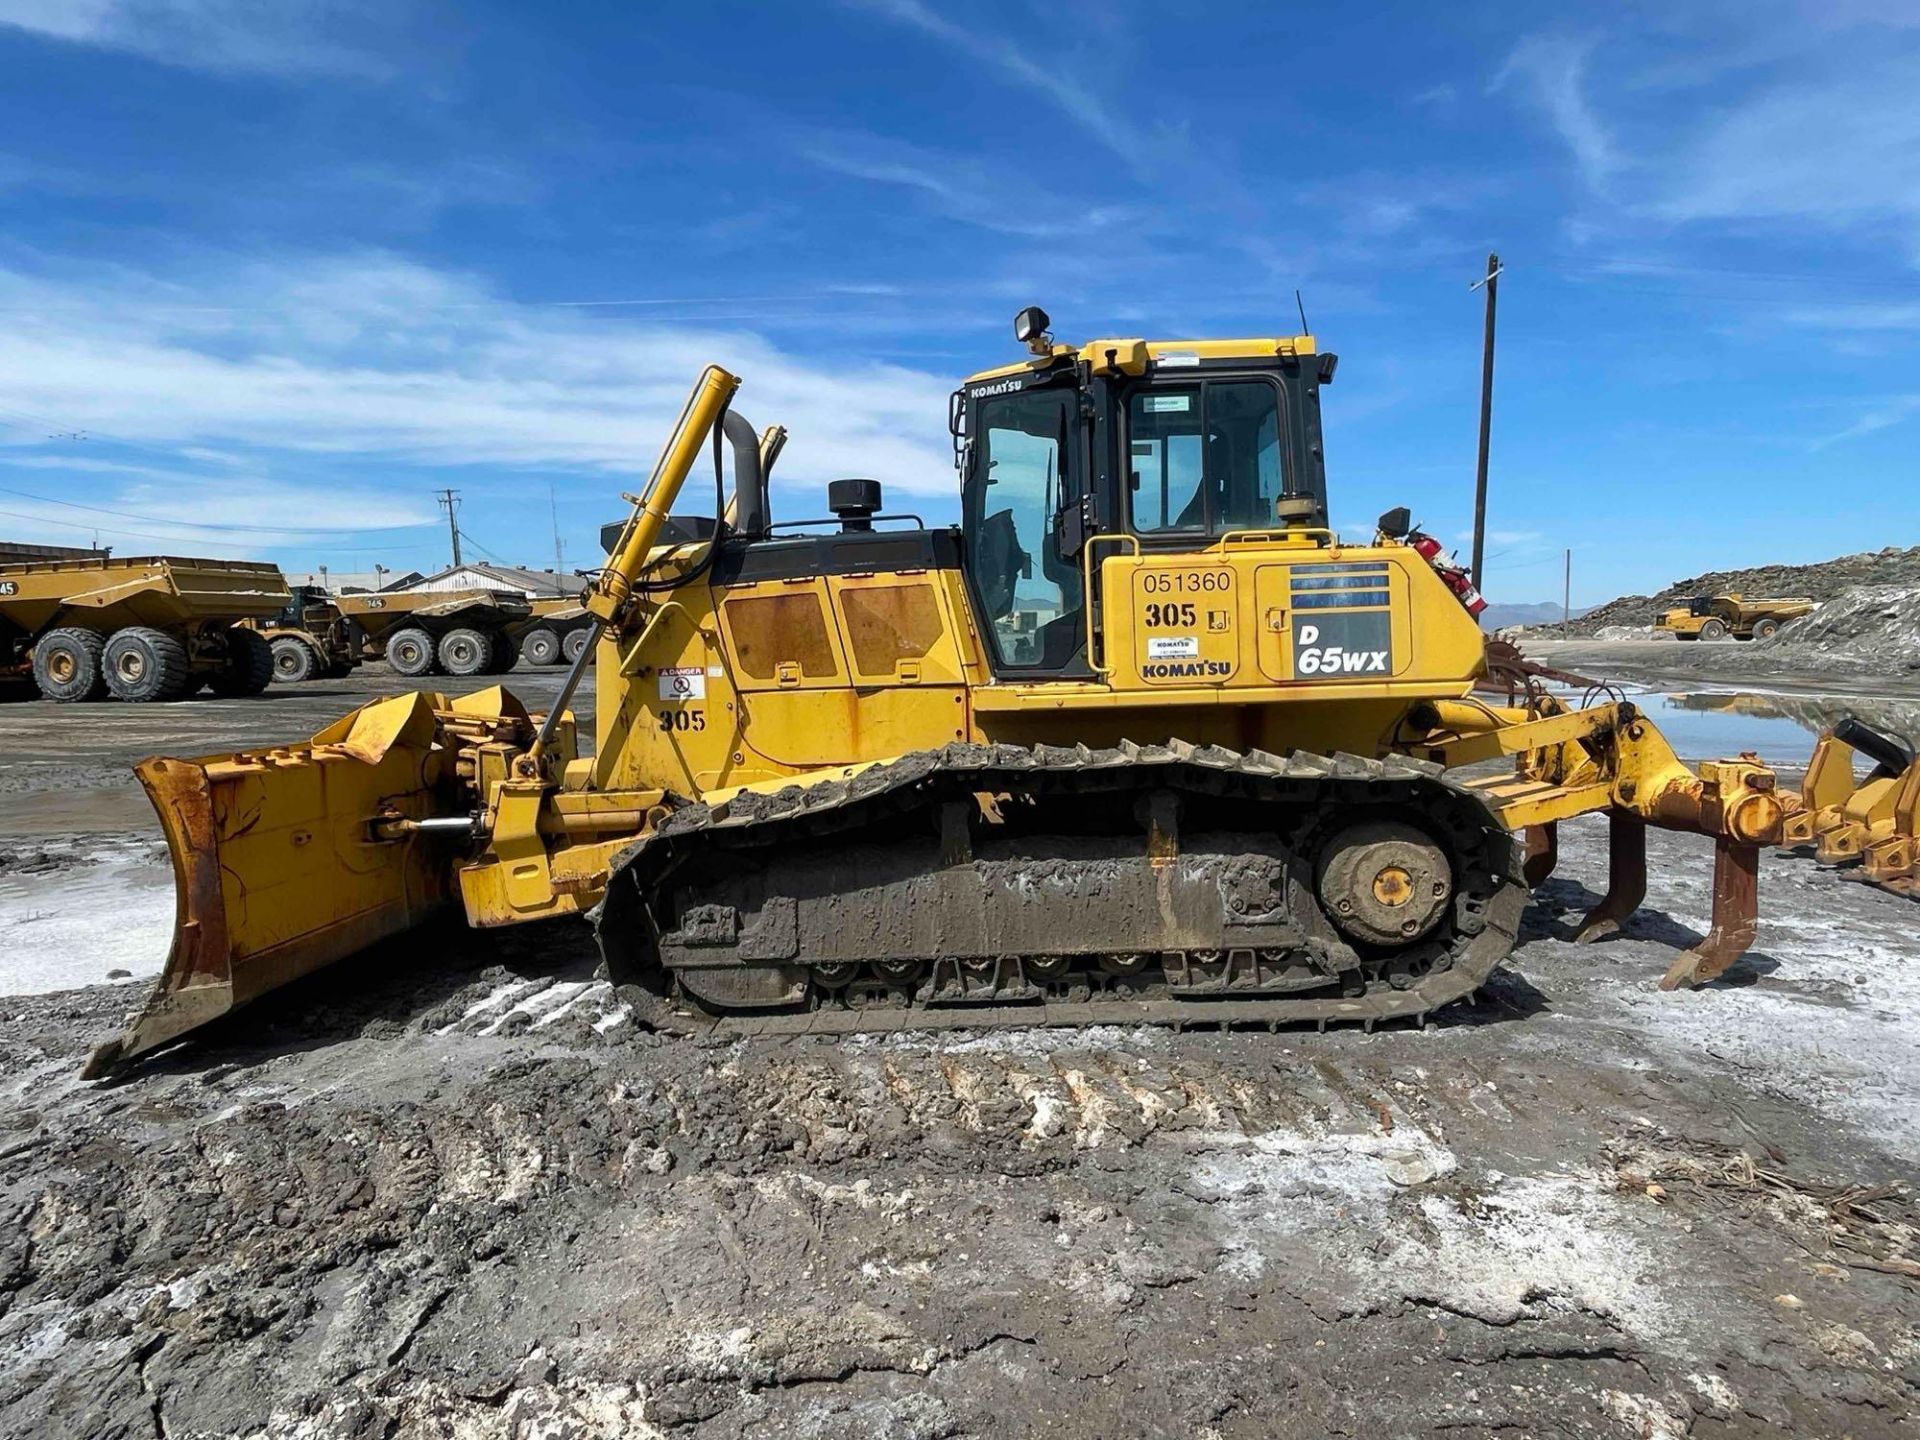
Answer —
1498 616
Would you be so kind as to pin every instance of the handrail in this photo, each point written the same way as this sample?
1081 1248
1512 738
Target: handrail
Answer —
1268 536
1086 574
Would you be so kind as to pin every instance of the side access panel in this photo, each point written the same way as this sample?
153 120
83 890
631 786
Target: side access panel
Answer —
1333 621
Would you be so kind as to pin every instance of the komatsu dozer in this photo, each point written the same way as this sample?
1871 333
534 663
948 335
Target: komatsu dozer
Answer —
1140 739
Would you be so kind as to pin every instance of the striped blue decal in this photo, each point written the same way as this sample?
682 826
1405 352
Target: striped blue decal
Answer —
1341 599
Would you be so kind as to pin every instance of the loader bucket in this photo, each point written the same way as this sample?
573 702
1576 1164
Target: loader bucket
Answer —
278 868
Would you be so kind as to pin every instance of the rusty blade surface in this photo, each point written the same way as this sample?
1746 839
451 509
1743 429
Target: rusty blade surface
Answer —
1736 911
1626 879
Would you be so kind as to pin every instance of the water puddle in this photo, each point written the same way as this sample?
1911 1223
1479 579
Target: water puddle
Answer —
1781 729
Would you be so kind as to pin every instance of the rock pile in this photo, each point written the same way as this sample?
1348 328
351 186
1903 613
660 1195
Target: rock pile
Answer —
1884 570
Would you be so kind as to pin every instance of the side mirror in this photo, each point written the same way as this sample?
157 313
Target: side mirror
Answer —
1397 523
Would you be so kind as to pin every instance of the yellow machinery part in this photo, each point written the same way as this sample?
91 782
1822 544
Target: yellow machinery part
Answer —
1873 823
289 859
286 860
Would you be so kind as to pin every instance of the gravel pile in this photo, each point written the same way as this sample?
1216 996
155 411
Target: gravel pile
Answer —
1827 580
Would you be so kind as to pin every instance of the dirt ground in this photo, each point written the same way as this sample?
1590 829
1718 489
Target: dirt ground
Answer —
448 1190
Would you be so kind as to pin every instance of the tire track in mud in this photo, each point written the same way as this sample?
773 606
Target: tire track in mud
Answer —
453 1190
502 1228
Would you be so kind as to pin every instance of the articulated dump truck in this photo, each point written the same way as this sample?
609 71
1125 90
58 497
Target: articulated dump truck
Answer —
138 629
1140 739
444 632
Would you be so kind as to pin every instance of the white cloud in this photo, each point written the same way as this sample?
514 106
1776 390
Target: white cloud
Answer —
272 36
307 362
154 509
1834 155
1809 124
1050 80
958 188
1883 415
1551 72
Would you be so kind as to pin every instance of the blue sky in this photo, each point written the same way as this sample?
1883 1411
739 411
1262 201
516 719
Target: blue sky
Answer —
291 267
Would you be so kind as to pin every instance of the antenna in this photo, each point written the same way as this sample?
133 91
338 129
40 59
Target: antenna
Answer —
559 562
1305 329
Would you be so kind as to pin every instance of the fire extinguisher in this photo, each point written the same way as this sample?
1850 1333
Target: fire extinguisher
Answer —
1455 576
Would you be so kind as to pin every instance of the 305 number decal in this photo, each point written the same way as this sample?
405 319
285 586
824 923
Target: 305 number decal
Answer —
1172 615
671 720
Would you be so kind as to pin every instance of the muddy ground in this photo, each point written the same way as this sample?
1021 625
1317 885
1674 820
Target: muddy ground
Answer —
448 1190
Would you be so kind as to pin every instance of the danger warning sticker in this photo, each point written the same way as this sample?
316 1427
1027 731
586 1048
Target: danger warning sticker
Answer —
683 682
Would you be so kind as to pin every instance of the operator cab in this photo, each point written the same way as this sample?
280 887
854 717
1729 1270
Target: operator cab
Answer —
1172 443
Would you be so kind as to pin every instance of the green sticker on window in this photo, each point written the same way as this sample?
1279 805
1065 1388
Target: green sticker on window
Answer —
1163 403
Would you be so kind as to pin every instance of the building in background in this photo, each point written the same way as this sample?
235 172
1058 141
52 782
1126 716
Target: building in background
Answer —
534 584
355 582
13 552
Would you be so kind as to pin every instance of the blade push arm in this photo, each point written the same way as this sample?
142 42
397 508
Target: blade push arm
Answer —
610 594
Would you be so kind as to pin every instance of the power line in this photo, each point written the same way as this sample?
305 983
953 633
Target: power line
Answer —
481 548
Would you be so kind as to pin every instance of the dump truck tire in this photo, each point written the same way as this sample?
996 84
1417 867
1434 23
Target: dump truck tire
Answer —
143 665
576 642
506 653
67 666
1713 630
466 652
541 646
1762 629
249 667
294 661
410 651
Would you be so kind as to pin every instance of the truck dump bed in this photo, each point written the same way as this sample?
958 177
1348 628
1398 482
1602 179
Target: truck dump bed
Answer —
378 614
156 590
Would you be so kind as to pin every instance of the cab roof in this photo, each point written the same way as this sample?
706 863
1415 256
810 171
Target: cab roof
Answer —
1131 357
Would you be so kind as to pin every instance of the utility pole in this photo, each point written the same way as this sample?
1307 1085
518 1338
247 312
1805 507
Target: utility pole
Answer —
559 563
450 502
1492 283
1566 598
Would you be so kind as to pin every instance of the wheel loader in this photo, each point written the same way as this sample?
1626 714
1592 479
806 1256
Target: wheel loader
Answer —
1140 739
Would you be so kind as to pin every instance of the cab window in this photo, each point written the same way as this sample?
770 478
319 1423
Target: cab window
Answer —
1205 458
1018 480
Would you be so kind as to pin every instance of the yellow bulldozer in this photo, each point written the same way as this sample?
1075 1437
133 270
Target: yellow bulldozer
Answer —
1139 739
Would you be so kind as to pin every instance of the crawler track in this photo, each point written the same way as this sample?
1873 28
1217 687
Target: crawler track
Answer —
996 885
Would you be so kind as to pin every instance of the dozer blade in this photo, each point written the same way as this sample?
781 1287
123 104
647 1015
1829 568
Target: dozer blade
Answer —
279 868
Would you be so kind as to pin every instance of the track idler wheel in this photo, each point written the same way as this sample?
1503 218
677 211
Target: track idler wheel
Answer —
1384 882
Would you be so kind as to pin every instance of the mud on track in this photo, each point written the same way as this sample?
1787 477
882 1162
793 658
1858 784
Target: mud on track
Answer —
457 1194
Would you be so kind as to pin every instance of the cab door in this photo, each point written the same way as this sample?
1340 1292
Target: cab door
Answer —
1022 488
